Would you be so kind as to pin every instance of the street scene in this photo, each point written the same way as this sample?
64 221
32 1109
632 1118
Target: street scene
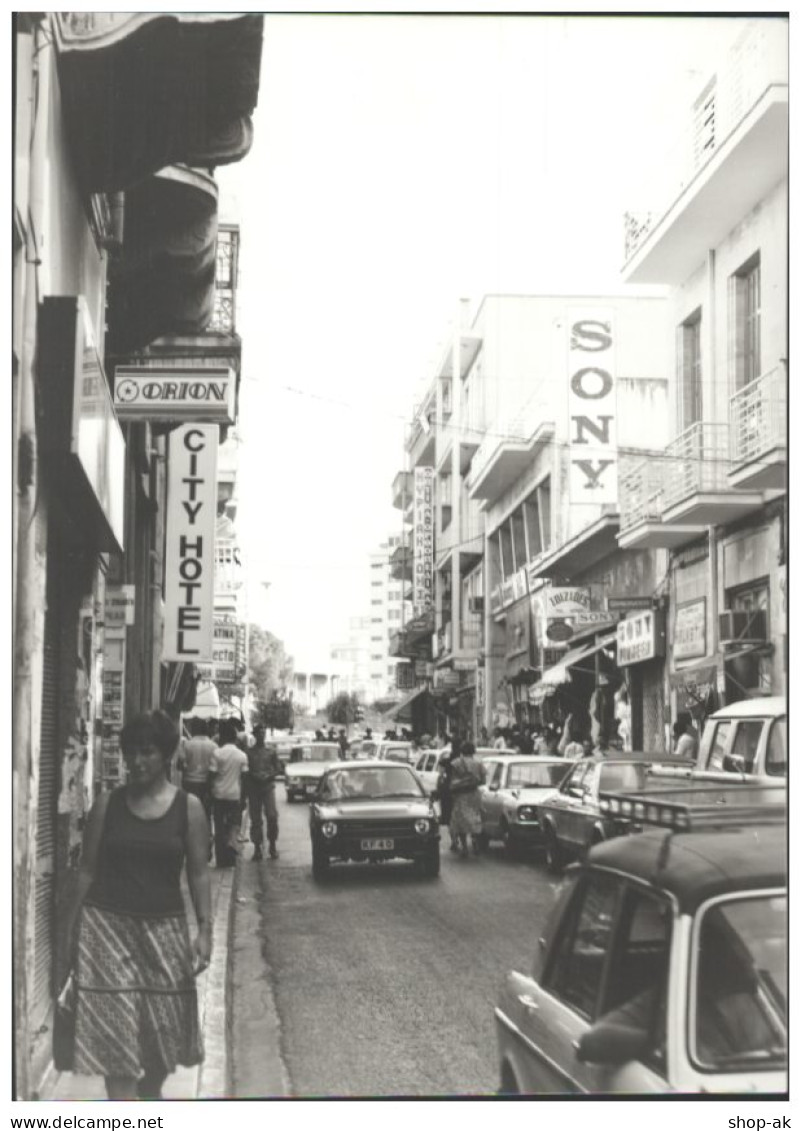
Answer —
400 543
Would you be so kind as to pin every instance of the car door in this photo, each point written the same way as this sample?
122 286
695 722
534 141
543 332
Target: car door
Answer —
549 1017
491 800
559 806
574 817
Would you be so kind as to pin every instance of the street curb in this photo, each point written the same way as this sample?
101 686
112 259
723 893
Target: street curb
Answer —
214 1073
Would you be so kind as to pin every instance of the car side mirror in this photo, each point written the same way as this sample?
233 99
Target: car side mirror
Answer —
611 1043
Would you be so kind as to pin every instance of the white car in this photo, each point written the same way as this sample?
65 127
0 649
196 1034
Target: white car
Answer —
310 761
747 738
516 786
428 767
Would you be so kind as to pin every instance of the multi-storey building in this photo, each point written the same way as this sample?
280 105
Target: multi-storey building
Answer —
91 290
715 233
388 612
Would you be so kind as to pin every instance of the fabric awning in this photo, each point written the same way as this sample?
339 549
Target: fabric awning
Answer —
145 90
401 711
163 280
559 673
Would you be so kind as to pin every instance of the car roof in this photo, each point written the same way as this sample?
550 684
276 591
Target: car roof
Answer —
373 764
505 757
768 706
698 865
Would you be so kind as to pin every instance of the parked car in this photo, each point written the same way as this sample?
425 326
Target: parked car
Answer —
572 819
391 751
306 767
428 767
748 737
662 968
515 788
370 811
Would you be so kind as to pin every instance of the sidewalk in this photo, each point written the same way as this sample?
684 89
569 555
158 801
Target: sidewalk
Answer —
210 1079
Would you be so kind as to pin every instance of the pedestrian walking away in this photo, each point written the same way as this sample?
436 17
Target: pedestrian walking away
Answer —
136 1013
194 764
229 767
467 774
264 767
443 791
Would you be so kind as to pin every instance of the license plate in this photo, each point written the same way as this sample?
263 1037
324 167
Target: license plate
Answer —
377 845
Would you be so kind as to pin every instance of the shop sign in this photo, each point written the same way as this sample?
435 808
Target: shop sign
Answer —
565 606
184 394
558 631
189 556
689 630
592 396
446 680
628 604
423 544
118 610
639 638
465 665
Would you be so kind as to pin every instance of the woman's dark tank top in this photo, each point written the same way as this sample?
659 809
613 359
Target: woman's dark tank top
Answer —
140 860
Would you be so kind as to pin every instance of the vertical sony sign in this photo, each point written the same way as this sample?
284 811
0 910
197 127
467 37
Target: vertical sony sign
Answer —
592 395
189 557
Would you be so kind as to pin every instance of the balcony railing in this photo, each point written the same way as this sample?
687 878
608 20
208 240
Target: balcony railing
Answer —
642 491
758 416
697 461
758 60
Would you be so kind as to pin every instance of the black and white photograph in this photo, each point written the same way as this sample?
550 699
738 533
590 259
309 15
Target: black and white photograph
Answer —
399 565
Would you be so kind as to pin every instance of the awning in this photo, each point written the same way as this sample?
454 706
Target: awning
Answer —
559 673
163 280
401 711
207 702
145 90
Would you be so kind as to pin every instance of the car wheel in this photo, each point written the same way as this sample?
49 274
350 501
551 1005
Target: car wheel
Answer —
508 841
554 857
320 863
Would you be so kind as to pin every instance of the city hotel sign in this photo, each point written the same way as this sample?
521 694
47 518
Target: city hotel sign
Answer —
592 408
423 585
184 394
189 556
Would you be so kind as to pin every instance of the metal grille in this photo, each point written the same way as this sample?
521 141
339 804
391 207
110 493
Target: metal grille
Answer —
377 829
758 414
44 882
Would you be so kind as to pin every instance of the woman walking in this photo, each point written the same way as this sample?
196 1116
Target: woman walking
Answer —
444 789
467 774
134 965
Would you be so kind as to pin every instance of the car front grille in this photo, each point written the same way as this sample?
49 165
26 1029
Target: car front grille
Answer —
377 829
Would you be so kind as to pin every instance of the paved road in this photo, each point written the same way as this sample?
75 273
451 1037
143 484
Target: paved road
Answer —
383 982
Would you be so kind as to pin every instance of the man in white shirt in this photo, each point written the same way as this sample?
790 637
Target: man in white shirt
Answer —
229 766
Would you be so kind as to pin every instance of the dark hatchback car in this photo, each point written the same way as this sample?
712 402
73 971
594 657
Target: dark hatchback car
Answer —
373 811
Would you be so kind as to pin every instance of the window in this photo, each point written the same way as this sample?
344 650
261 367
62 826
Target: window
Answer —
577 965
377 620
573 786
776 755
537 512
507 559
744 323
519 538
688 376
497 773
375 583
740 1006
636 987
379 602
718 748
376 639
746 744
704 126
394 614
376 656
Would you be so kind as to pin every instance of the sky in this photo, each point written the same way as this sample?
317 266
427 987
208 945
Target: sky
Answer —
399 164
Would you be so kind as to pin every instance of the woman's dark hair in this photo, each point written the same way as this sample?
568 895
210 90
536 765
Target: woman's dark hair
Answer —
155 727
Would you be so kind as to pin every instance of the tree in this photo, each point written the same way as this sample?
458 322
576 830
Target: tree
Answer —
343 709
269 667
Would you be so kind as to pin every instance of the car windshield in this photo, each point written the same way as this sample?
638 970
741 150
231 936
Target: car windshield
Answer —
370 782
741 984
535 773
622 777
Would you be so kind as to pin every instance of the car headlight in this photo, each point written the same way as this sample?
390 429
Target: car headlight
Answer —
527 813
422 826
328 829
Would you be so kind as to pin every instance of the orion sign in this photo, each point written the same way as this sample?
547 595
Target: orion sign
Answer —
205 394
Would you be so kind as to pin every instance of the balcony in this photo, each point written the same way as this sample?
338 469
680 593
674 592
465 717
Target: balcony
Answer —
400 562
732 152
758 433
697 490
421 443
403 491
509 447
641 492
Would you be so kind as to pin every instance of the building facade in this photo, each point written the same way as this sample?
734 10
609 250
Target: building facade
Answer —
115 231
715 500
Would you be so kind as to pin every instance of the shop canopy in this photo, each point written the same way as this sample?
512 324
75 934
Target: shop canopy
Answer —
560 673
402 710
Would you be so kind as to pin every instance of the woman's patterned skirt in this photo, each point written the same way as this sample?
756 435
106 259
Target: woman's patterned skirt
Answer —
136 999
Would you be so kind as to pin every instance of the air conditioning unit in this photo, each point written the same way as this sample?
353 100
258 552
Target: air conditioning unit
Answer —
736 626
475 605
